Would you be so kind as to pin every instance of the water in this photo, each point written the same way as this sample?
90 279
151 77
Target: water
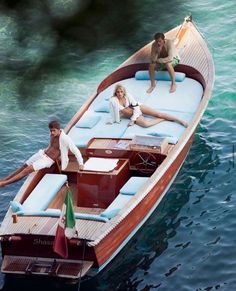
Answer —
53 54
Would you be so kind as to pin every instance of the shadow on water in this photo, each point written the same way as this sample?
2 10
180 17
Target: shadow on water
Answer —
153 238
36 284
50 37
53 36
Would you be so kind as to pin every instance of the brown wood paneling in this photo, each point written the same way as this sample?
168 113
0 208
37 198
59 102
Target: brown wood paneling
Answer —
113 240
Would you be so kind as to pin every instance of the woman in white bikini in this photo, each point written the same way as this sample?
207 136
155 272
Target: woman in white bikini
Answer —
123 104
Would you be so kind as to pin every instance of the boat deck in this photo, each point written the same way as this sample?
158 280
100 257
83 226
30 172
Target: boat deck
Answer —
183 103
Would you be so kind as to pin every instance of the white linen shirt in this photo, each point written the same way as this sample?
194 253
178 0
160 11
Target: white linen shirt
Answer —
66 144
116 107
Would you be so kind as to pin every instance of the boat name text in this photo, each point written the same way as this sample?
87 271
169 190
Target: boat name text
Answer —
38 241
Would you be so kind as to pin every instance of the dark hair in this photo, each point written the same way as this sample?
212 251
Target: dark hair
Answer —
54 124
159 35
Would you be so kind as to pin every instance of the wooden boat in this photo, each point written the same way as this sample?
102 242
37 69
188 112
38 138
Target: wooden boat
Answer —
111 204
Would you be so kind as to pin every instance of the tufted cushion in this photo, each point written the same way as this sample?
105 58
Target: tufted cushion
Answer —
160 75
133 185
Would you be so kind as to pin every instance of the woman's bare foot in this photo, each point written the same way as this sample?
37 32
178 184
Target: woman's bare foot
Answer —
184 123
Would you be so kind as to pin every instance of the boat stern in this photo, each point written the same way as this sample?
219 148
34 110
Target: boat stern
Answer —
30 255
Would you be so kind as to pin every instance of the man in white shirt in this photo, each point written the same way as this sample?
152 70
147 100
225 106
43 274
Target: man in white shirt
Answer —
58 147
164 55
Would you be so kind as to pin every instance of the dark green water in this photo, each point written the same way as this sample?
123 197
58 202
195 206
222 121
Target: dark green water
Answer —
53 54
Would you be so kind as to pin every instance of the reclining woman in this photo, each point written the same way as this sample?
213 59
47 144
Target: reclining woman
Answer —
123 104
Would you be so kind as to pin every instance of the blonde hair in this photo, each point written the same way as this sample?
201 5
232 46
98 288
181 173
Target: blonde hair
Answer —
119 86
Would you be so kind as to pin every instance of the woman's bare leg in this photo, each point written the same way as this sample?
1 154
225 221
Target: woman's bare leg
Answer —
141 121
149 111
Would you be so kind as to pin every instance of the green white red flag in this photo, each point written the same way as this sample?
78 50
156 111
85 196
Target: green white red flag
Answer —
66 228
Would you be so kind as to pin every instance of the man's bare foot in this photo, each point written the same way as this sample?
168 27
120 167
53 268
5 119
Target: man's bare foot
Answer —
2 183
150 89
172 88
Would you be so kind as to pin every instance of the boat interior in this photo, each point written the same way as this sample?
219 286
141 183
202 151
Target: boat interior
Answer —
118 159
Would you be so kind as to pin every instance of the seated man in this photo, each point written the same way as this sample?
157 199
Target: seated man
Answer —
163 56
59 145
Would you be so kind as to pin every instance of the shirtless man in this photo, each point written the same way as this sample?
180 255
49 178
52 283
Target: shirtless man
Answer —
163 56
59 145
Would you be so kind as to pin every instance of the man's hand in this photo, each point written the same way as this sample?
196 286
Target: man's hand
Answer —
81 167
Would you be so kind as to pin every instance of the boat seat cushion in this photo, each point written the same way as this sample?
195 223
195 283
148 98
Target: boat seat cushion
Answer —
171 130
185 99
182 103
44 192
88 120
119 202
16 206
81 136
88 216
133 185
160 75
51 212
103 106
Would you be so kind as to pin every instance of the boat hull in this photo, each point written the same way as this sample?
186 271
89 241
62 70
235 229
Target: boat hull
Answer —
27 247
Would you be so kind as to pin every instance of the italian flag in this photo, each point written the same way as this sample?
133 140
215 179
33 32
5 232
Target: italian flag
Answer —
66 228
